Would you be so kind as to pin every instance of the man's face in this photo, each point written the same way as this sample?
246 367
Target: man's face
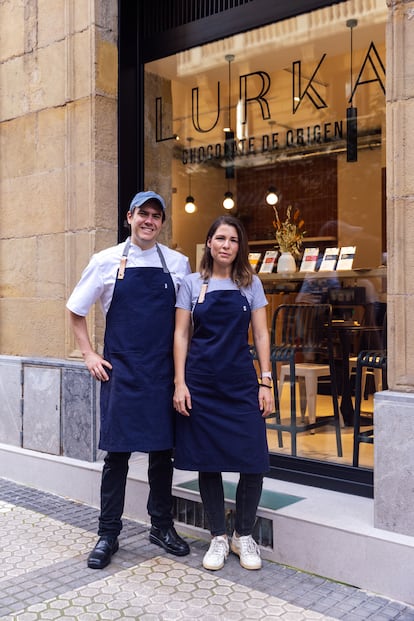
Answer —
146 223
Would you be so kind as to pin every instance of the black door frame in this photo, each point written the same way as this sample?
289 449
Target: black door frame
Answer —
156 29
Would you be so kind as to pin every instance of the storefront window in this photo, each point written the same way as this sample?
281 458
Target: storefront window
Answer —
298 106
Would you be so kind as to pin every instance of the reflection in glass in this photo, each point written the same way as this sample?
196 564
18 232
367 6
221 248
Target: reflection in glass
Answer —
286 98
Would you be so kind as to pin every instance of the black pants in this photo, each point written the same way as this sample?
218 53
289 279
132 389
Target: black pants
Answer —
248 494
114 476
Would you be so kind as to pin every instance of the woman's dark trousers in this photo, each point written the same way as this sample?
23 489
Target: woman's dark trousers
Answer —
248 494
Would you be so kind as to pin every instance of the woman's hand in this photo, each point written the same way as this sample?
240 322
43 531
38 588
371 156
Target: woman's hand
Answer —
266 400
182 399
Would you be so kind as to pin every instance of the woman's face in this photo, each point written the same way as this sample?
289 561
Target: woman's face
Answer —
224 245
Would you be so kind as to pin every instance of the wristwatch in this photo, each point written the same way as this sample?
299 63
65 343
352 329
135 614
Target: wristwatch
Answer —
266 375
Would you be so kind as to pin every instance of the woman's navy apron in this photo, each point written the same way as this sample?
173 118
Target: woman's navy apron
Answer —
225 431
136 402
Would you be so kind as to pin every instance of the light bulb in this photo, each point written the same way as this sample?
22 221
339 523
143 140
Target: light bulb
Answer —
190 205
228 202
271 197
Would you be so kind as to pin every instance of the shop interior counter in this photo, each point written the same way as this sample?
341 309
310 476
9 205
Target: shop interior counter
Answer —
376 272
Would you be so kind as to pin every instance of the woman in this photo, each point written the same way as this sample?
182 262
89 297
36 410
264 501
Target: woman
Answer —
222 406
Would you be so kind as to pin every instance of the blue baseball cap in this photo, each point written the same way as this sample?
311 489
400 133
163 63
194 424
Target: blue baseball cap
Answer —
142 197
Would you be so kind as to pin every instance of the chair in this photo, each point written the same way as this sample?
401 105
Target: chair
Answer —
381 345
375 361
303 330
309 373
366 371
255 358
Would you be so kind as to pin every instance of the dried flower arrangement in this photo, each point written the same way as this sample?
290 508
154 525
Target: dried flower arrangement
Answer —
289 232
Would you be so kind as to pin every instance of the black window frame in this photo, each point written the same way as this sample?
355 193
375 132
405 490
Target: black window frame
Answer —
150 31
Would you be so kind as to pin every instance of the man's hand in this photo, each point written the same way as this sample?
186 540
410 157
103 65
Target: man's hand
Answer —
95 363
96 366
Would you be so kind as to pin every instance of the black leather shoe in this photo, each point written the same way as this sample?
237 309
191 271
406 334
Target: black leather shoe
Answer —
169 540
102 553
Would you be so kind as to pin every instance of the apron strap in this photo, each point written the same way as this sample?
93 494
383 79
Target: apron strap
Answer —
203 291
124 258
163 262
123 262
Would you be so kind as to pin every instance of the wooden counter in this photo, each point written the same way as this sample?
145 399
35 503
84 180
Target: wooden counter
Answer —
376 272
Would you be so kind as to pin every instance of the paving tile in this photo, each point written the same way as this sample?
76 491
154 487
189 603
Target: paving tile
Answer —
45 540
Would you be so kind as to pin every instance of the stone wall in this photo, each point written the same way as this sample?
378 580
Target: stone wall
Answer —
58 170
394 410
400 193
49 406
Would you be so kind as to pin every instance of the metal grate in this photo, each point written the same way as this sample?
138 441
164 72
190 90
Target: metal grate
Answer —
161 16
192 513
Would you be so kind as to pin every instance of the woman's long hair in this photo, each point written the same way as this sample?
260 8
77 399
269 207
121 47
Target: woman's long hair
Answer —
241 272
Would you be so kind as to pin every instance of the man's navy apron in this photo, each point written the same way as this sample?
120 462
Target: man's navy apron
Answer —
136 403
225 431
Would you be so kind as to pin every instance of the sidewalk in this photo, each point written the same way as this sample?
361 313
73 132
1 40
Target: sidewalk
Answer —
44 542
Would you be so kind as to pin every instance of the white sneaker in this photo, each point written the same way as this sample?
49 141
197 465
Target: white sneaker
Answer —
217 553
248 551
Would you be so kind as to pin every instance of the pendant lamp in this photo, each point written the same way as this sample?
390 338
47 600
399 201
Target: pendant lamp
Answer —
190 206
272 197
228 201
351 112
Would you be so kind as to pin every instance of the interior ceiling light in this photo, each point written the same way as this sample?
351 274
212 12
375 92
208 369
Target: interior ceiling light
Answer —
272 197
228 202
189 206
351 112
229 58
228 132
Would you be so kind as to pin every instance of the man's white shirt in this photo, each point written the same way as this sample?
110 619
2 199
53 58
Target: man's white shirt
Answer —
98 278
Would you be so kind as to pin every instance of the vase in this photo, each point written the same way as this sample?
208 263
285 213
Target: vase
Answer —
286 263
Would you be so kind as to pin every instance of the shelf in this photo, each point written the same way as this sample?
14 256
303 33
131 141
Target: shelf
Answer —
376 272
272 242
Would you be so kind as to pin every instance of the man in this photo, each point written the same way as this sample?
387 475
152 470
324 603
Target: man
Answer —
135 283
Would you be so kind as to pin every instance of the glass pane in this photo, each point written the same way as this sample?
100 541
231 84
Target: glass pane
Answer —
288 106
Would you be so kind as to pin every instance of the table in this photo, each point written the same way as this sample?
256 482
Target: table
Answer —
345 330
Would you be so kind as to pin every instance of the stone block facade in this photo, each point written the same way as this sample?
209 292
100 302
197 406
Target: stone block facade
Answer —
58 205
58 196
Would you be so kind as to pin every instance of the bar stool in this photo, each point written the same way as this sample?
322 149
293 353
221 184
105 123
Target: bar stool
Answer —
309 373
376 360
276 413
375 373
306 330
